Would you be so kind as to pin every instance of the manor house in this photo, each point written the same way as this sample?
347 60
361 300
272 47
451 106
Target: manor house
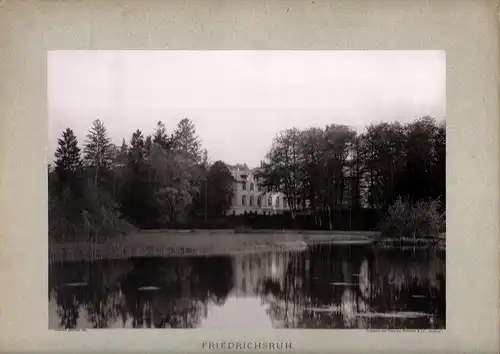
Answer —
250 197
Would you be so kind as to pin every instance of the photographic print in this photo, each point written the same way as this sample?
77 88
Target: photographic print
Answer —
256 189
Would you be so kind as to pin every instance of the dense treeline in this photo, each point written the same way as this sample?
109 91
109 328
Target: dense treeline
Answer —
333 178
151 181
325 171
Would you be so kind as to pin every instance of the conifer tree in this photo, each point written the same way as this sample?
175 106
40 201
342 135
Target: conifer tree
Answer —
186 140
137 151
98 151
67 155
161 137
68 158
122 156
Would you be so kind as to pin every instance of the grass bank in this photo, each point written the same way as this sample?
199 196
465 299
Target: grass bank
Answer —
168 243
163 243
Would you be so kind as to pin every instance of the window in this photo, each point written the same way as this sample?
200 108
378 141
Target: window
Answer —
259 201
347 191
258 187
251 186
270 201
244 185
243 200
285 202
251 200
277 202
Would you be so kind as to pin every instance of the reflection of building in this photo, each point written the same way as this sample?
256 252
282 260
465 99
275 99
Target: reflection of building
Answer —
251 268
250 197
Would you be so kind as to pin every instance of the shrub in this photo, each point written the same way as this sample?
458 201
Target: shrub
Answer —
100 216
405 220
92 217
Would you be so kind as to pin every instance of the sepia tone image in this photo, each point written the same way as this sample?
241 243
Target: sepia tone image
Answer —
227 189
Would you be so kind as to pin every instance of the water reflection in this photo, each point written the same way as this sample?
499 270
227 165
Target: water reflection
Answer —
358 288
321 287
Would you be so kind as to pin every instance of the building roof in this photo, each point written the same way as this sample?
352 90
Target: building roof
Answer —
241 171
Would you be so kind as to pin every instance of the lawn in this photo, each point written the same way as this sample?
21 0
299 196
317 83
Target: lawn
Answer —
158 243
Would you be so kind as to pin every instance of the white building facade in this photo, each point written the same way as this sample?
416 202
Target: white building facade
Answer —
250 197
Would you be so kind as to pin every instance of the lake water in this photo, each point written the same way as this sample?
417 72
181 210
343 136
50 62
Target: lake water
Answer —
325 286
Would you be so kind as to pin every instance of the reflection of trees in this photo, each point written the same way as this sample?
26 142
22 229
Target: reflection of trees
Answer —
215 275
349 287
409 281
68 305
319 289
104 280
173 304
103 277
325 287
182 289
186 287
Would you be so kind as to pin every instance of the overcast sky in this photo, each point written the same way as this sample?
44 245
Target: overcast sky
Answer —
239 100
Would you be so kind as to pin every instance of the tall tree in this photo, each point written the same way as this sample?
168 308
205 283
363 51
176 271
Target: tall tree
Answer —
137 152
186 141
439 165
98 150
161 137
336 144
216 192
119 168
281 169
175 188
122 156
138 189
68 159
311 145
220 183
384 151
420 159
148 147
354 171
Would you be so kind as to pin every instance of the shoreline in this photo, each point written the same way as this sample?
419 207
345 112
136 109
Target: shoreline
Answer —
178 243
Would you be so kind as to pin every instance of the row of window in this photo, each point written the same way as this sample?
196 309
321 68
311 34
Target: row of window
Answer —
244 186
259 201
258 187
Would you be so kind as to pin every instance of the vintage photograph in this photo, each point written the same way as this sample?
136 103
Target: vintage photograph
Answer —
256 189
